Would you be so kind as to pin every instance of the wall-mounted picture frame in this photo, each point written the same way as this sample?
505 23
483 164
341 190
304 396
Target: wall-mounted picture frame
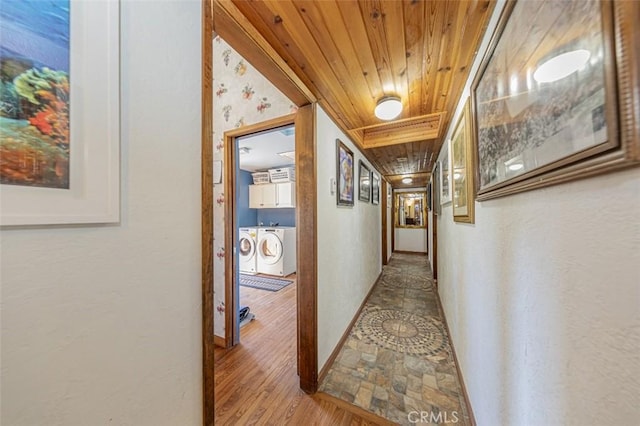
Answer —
462 167
537 122
59 146
364 191
344 174
430 195
445 175
436 190
375 188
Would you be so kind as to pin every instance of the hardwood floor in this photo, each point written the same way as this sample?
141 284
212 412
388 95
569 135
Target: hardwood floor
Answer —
256 381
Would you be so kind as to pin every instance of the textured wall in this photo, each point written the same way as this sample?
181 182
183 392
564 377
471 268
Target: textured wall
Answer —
408 239
102 324
349 244
283 217
542 299
246 216
242 96
389 221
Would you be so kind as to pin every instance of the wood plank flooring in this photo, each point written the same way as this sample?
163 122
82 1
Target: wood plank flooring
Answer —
256 381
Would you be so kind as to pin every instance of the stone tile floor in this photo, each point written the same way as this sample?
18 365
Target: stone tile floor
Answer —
397 361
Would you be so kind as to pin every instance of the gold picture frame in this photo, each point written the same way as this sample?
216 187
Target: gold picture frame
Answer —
533 129
410 209
462 164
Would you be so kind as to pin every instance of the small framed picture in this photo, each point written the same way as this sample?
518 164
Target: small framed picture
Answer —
375 188
344 178
364 194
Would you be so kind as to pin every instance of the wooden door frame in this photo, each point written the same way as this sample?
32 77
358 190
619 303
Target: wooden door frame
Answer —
384 221
206 182
232 296
221 18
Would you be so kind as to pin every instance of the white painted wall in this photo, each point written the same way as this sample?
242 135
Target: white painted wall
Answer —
102 324
408 239
349 244
542 299
430 218
389 220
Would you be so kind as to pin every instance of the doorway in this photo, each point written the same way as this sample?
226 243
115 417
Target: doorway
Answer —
261 227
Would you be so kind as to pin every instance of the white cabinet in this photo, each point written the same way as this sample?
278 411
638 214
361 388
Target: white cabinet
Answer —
286 194
272 195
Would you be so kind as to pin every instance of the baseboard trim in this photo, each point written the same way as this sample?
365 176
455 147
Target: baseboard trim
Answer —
219 341
465 395
353 409
419 253
336 350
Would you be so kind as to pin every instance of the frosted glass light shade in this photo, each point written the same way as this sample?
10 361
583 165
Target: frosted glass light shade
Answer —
407 180
388 108
561 66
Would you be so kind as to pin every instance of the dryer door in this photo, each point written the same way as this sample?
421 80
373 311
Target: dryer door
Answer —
270 248
247 245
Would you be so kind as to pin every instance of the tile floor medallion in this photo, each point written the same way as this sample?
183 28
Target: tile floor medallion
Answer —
397 361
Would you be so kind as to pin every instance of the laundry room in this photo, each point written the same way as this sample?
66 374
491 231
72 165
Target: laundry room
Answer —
265 218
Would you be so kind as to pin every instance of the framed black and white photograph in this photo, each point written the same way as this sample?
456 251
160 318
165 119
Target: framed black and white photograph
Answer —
552 99
375 188
364 192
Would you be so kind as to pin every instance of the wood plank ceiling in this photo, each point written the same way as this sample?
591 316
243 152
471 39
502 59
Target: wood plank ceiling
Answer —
349 54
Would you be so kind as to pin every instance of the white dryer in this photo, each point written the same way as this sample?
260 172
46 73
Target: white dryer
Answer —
277 250
247 250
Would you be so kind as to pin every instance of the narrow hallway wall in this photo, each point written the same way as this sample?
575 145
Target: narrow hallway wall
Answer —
541 296
349 243
101 324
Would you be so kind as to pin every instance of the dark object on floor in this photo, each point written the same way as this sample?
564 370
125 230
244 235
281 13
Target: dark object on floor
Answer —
263 283
243 312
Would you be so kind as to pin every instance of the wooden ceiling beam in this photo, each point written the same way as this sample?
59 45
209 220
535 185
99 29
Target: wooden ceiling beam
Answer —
402 131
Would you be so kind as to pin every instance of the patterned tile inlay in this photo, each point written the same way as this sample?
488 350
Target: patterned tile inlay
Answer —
397 358
390 328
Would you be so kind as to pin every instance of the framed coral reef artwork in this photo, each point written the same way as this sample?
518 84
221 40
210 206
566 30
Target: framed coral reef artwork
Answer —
59 112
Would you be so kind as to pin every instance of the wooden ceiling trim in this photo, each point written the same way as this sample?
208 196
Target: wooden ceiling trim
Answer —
287 48
352 19
284 15
403 131
434 20
331 33
393 24
236 30
455 19
414 35
371 12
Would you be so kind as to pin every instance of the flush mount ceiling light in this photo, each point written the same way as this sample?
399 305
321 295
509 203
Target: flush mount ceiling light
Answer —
244 150
515 166
561 66
407 180
291 155
388 108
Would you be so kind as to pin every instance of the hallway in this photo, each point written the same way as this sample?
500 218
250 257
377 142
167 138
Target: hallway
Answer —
397 361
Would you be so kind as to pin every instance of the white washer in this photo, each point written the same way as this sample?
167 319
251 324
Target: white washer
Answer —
277 250
247 243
